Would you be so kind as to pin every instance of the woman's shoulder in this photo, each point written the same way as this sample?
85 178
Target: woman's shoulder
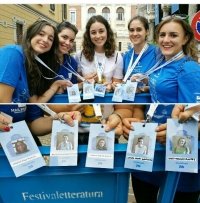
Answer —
12 48
189 64
128 53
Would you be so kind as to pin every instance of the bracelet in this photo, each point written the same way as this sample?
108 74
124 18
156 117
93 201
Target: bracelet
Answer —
52 89
117 115
63 116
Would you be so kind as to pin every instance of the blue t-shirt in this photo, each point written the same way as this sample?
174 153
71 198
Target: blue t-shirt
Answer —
20 112
63 71
147 60
178 82
13 72
188 182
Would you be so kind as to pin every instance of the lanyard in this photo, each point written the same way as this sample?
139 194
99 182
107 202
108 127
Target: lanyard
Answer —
99 67
40 61
73 71
98 113
131 67
45 108
150 112
157 67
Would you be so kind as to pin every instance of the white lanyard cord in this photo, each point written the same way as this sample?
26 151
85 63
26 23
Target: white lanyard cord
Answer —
40 61
156 67
99 69
73 71
131 67
150 112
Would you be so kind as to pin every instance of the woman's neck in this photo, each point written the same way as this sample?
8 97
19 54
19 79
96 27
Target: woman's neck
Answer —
61 57
99 50
138 47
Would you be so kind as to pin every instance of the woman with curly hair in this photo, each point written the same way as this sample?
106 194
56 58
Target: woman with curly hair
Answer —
179 70
99 59
22 78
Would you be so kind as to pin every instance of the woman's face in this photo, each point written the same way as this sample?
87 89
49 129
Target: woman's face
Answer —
66 40
181 142
98 34
43 41
20 146
171 39
137 32
101 143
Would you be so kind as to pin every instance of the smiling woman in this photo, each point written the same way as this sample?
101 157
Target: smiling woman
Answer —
143 55
22 78
66 35
178 71
99 61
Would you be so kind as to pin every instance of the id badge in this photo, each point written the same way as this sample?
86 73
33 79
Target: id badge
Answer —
20 149
117 95
88 90
100 153
182 146
64 144
7 116
99 90
141 147
129 91
73 94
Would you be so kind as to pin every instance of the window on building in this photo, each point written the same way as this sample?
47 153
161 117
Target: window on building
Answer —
64 11
19 32
91 12
52 7
72 16
106 13
120 46
120 14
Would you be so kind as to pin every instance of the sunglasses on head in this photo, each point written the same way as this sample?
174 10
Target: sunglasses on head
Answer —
180 16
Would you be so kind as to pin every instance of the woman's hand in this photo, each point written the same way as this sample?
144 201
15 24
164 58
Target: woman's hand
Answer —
91 76
127 126
69 117
108 86
60 85
114 122
161 133
114 84
4 123
183 115
134 77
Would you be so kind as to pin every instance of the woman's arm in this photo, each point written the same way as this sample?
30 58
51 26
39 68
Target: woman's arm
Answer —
43 125
115 119
50 92
138 116
6 92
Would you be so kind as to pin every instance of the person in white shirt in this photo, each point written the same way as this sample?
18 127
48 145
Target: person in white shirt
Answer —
99 59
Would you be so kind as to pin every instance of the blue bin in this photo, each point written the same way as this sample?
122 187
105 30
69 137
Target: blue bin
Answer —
139 98
79 184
